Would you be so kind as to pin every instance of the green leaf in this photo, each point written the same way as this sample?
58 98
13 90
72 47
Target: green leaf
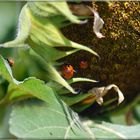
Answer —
26 88
71 100
50 54
37 88
50 9
42 9
137 112
43 36
81 79
60 21
5 71
63 8
21 90
61 90
32 119
119 119
4 126
30 87
107 130
81 107
44 31
55 76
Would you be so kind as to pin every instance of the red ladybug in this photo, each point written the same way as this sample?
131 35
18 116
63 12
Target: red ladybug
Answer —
10 61
83 64
67 71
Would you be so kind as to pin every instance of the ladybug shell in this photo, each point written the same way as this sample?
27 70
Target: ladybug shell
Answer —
10 61
67 71
83 64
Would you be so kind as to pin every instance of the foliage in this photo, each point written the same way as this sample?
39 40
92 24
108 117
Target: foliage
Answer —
38 108
51 118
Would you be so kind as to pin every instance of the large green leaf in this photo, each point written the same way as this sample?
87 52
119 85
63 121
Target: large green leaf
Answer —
28 88
34 88
32 119
107 130
4 118
37 119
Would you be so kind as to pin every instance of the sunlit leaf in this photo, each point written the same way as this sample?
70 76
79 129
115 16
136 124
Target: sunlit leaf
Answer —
46 121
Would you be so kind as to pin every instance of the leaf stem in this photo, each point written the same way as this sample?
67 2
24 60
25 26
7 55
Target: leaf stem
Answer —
6 100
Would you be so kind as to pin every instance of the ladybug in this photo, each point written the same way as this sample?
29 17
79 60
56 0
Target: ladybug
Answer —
67 71
83 64
10 61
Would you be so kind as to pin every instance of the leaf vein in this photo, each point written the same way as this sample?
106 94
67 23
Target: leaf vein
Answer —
111 130
47 127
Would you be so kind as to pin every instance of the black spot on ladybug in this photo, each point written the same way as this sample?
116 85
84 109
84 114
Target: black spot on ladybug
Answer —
67 71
